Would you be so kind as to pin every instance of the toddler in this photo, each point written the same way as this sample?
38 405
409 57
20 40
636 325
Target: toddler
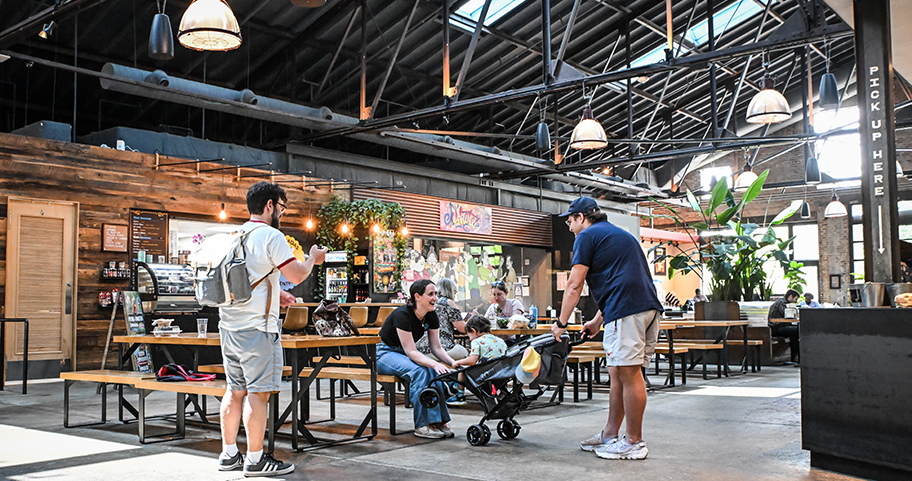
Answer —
485 346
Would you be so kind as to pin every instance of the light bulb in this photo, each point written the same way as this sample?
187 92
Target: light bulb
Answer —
405 231
376 228
222 214
310 224
345 228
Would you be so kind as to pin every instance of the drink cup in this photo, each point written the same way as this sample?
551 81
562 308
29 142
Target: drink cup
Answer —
202 325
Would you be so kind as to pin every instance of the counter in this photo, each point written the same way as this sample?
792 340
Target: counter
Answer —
856 416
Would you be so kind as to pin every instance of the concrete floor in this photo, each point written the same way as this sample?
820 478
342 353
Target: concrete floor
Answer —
741 428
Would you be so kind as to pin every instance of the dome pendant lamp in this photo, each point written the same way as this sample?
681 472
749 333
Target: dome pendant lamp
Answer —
209 25
835 208
588 134
768 106
746 179
161 39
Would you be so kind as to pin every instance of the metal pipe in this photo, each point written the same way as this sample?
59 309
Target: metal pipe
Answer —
332 63
713 100
446 48
364 115
566 38
546 42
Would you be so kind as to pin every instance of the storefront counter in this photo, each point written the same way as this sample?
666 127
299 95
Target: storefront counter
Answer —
856 398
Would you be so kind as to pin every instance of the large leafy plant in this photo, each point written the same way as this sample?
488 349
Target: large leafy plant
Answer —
734 259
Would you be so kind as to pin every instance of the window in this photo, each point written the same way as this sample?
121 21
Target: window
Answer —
724 19
857 244
472 11
706 176
838 156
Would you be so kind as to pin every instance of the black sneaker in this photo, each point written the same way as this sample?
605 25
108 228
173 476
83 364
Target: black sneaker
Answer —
268 466
230 463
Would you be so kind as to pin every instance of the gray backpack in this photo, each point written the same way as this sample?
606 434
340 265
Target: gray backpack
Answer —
220 270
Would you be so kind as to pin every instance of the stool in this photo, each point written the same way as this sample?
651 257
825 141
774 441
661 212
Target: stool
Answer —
25 335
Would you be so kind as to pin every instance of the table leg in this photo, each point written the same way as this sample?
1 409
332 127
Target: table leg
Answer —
25 349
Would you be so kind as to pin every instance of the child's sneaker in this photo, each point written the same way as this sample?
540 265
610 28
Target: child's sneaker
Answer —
457 399
596 442
623 450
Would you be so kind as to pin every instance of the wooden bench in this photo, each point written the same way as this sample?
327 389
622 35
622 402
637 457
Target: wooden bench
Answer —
220 369
183 389
662 348
705 348
103 377
578 360
335 373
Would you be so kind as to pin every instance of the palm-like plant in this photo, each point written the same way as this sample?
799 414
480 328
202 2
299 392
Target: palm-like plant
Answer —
734 260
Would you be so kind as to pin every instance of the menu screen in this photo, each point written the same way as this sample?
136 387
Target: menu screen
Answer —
148 233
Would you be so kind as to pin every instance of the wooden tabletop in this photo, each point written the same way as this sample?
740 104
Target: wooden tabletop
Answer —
288 341
713 323
349 304
784 321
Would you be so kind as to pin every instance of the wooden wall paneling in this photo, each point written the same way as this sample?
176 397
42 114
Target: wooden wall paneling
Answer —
509 225
107 183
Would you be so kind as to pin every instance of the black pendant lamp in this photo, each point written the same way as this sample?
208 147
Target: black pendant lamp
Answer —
161 39
829 91
812 171
542 137
805 210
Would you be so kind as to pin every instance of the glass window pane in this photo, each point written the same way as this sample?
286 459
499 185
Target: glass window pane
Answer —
857 232
810 276
806 243
856 210
858 251
859 270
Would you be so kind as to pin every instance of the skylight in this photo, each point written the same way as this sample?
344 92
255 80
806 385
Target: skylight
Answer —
472 10
726 18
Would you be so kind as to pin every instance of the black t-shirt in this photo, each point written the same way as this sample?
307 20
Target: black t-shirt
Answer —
404 318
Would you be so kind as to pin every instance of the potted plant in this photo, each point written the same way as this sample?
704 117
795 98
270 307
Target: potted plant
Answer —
735 258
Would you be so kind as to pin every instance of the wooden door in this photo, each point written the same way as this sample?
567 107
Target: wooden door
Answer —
41 254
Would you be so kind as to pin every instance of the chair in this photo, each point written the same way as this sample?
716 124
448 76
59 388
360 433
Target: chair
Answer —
383 314
358 315
296 318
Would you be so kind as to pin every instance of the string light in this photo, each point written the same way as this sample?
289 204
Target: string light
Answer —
345 228
223 215
376 228
405 231
309 224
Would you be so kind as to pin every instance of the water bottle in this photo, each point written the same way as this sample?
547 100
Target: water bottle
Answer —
534 322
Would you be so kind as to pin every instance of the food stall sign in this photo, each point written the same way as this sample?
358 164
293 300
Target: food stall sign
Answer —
465 218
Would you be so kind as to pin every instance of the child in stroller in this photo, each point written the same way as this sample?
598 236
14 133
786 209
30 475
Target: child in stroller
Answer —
489 382
485 346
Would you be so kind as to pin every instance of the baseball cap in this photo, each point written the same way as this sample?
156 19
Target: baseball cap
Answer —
583 205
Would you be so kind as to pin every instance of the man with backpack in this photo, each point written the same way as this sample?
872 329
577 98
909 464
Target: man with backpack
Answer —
250 331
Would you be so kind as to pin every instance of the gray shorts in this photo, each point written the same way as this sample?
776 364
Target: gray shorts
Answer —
631 340
252 359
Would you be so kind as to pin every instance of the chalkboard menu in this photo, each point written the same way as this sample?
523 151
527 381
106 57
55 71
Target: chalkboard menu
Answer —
148 233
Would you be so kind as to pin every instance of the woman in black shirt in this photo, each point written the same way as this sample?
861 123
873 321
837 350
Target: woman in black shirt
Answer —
398 356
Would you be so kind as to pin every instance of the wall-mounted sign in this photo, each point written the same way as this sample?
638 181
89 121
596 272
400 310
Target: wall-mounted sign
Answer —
148 233
465 218
384 263
114 237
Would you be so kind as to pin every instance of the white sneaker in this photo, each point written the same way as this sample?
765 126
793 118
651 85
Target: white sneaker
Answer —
595 442
623 450
429 433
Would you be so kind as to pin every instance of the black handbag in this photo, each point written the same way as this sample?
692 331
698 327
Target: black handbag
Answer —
333 321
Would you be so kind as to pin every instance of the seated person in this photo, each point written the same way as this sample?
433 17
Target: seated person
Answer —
503 308
485 346
777 329
450 323
809 301
699 297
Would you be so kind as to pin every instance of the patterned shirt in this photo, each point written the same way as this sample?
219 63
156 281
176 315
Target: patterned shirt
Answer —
447 314
488 347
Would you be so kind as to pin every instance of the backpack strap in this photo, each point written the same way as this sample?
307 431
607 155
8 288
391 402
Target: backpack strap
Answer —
253 285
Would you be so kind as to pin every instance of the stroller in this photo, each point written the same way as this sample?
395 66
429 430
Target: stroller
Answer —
488 381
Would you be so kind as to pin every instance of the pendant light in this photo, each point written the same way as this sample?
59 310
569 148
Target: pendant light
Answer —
746 178
811 171
209 25
829 91
161 39
542 134
588 134
222 214
835 208
48 30
768 106
805 207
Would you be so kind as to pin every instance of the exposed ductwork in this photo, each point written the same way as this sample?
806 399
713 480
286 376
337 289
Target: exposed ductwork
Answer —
245 102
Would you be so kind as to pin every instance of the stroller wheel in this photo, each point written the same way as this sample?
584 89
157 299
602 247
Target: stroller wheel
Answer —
428 397
508 429
476 435
487 433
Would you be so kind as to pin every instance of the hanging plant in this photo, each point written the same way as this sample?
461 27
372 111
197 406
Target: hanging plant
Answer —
366 213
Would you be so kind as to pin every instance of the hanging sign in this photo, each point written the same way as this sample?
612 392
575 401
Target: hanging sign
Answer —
465 218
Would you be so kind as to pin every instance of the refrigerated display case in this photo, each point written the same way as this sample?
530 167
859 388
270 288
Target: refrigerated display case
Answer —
164 288
336 275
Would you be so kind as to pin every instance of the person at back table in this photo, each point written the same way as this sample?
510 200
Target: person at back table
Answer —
699 297
778 329
251 348
809 301
485 346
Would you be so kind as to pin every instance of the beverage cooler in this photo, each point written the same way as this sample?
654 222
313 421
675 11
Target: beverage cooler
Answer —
164 288
336 275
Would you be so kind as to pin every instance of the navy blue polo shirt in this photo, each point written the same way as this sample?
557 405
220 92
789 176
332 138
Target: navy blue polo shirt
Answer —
619 279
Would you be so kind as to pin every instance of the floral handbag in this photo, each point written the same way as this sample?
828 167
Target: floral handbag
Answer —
333 321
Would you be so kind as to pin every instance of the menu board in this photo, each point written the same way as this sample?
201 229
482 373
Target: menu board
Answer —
136 326
114 237
148 233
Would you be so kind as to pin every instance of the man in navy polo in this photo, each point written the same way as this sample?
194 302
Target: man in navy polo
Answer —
612 262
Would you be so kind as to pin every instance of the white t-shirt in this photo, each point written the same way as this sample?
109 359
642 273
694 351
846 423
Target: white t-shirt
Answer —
267 249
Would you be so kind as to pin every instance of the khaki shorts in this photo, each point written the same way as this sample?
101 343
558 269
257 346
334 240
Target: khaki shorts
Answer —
631 340
252 359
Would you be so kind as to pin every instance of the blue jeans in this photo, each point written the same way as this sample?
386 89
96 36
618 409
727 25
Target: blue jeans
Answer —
392 361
